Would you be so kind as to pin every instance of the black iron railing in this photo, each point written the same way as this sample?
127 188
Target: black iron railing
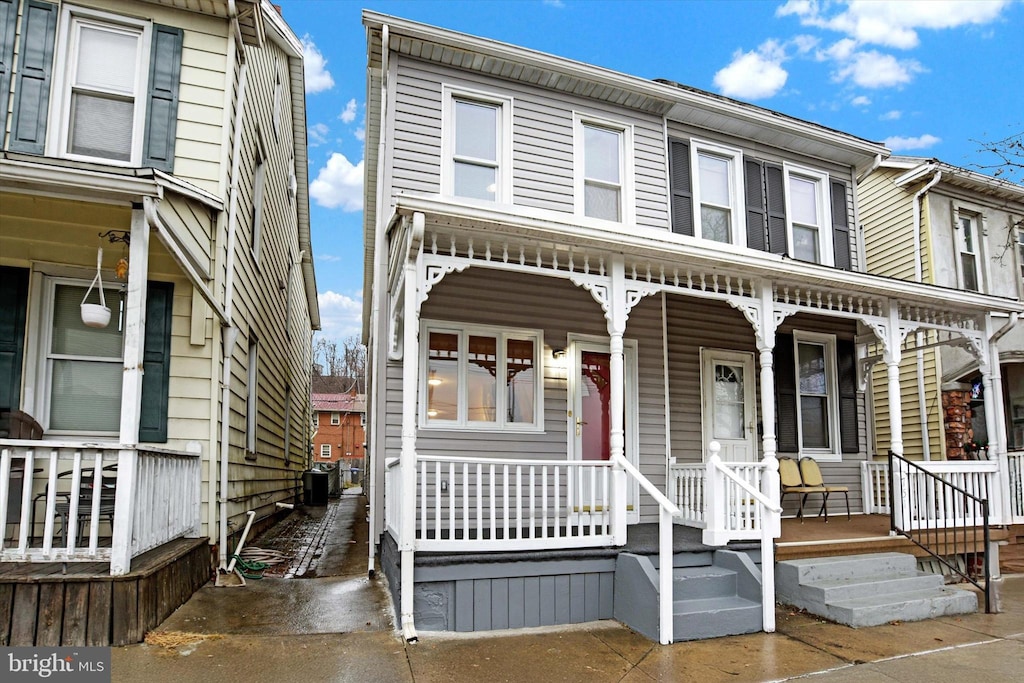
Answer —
943 519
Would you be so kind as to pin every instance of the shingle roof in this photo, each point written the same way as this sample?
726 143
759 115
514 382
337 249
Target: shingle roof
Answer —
339 403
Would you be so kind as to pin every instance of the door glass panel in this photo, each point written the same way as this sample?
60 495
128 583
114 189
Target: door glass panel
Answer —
521 381
729 394
442 376
595 405
481 378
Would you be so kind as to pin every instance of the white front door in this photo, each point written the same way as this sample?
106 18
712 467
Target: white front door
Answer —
727 402
589 415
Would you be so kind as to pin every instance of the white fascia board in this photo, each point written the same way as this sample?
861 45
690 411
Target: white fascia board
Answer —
178 186
649 244
278 30
80 183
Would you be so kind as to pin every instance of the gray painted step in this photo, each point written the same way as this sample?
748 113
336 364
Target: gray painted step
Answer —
812 570
703 582
912 606
715 617
848 589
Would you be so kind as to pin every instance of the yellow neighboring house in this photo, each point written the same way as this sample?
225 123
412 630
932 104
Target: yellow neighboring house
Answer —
157 294
928 221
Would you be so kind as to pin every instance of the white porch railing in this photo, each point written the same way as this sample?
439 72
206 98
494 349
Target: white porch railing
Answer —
393 497
874 477
737 516
929 507
686 488
475 504
75 502
1015 467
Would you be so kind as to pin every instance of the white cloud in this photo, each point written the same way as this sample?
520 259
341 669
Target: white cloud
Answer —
318 78
755 74
873 69
805 43
894 23
840 50
340 315
360 134
893 115
339 184
327 257
899 144
861 101
349 114
317 134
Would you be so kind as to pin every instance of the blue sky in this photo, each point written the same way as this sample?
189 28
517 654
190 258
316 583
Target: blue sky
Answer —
928 78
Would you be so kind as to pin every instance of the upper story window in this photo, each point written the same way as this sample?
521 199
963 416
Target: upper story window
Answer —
316 419
335 418
278 99
716 183
967 246
1020 250
603 170
482 378
808 216
477 146
817 392
259 181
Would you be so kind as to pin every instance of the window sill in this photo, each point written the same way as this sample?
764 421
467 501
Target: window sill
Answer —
480 429
822 456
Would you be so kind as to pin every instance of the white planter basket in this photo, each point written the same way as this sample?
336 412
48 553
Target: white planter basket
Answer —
96 315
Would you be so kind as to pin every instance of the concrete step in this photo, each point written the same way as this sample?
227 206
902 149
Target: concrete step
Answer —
910 606
815 569
848 589
702 582
701 618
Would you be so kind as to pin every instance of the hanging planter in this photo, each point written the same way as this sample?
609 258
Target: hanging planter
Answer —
96 315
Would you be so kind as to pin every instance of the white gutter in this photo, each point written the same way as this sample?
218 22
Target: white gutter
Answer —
922 403
373 337
866 172
229 332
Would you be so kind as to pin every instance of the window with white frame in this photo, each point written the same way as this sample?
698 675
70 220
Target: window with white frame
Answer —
278 99
477 146
481 378
717 179
325 451
252 402
808 218
1020 250
316 419
817 393
258 183
100 103
967 246
82 367
335 419
603 169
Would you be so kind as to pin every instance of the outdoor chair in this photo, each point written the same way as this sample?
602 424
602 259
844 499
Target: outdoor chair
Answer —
789 478
811 475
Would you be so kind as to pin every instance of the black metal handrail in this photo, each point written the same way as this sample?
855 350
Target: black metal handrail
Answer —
936 491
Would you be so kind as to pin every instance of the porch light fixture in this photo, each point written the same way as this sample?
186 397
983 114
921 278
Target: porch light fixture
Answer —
557 354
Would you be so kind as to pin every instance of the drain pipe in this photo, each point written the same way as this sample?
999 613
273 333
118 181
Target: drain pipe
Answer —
922 403
229 332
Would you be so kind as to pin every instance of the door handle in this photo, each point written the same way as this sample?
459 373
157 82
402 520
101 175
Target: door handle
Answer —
579 426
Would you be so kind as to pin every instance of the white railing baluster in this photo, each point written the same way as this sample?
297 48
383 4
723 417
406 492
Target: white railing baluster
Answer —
533 506
558 501
451 501
504 499
437 500
76 488
544 501
519 502
479 499
465 501
494 524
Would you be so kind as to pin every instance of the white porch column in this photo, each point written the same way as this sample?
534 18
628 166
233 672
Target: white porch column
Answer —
995 424
892 356
410 376
769 442
617 439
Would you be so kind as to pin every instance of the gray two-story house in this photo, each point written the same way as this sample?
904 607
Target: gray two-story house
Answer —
597 302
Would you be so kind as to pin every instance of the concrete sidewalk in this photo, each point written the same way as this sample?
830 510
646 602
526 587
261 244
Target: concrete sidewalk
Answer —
339 628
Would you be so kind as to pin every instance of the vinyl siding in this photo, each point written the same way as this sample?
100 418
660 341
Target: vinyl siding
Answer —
886 216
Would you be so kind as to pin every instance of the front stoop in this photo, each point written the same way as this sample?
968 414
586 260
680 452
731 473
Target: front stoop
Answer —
869 590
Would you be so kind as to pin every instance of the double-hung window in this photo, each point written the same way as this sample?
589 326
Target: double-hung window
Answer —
477 143
967 246
325 451
316 419
817 392
603 169
252 401
808 218
482 378
335 418
717 178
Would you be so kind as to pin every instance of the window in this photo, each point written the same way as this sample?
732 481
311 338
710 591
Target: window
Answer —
1020 250
967 245
817 404
808 217
252 402
325 451
716 183
316 419
603 170
362 419
335 419
482 378
277 99
258 182
477 143
84 366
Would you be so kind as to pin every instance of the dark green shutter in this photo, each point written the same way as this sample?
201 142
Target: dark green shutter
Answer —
846 361
840 225
775 198
787 428
35 68
8 21
757 220
679 180
156 363
13 303
162 103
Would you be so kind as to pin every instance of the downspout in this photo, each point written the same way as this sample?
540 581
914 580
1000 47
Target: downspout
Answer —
922 403
228 331
378 251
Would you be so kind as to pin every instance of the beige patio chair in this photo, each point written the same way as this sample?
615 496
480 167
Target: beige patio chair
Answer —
789 478
811 474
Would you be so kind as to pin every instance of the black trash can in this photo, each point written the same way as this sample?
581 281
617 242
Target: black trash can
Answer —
314 487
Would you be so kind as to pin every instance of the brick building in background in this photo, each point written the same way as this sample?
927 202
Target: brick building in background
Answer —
339 431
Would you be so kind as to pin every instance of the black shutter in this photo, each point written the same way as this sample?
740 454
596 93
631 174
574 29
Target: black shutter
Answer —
775 198
757 223
13 303
162 103
679 180
156 363
846 362
8 20
785 395
35 67
840 225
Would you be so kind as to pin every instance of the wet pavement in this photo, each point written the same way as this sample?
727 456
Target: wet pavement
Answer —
338 627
